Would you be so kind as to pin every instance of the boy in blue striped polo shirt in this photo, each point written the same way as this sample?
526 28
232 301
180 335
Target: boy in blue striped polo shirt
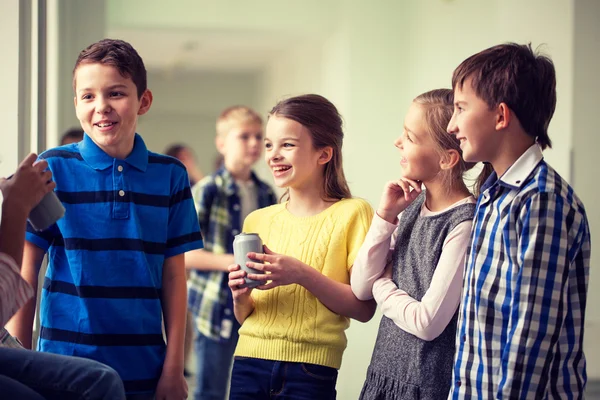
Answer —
520 328
116 259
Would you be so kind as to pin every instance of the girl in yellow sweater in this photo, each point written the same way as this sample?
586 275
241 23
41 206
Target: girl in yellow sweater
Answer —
292 335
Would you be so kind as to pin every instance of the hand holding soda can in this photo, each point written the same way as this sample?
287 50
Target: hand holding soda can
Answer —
243 244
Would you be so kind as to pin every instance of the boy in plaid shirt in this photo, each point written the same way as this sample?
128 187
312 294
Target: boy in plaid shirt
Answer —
222 201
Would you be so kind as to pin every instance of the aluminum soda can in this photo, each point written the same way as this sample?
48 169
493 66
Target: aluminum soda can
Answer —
243 244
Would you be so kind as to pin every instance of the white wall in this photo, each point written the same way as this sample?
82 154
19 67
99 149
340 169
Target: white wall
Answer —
9 86
186 107
586 144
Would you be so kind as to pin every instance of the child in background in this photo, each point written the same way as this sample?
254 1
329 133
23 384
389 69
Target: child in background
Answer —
422 236
292 335
223 200
116 259
522 316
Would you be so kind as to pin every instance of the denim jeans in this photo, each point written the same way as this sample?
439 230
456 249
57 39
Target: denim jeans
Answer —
257 379
213 367
31 375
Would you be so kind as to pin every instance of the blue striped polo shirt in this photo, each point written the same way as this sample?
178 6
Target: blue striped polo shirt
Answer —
101 296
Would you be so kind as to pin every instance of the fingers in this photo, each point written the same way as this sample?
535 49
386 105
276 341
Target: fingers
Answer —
233 267
416 185
267 286
261 257
30 160
260 277
40 165
258 266
267 250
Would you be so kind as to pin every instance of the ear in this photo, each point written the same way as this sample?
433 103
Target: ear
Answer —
450 159
325 156
145 102
220 143
503 116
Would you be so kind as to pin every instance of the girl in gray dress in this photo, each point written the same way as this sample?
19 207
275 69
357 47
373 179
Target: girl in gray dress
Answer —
412 259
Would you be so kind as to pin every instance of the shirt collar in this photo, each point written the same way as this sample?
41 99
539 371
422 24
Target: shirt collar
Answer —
516 175
96 158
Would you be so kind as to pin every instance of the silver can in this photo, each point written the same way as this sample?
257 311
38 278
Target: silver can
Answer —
243 244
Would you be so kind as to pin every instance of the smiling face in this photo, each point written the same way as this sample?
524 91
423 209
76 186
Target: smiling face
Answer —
290 153
107 106
474 125
420 159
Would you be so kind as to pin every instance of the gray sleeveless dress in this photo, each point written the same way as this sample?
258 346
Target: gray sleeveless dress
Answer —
404 366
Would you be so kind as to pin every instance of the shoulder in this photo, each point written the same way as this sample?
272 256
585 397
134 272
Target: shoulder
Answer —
62 153
266 212
548 189
355 207
161 159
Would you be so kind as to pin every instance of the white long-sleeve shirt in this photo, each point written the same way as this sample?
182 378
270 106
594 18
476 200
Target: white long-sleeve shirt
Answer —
428 317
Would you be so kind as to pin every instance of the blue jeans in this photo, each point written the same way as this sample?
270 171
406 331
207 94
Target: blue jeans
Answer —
213 367
257 379
30 375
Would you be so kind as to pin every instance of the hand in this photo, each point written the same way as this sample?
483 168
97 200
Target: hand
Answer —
172 386
282 270
397 195
31 181
236 278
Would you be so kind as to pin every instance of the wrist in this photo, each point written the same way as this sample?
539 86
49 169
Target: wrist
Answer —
387 215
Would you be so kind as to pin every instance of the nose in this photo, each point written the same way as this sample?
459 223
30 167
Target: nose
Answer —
452 127
102 106
272 154
398 142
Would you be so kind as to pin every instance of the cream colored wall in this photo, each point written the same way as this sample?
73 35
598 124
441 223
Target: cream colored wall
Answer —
9 86
586 143
186 106
379 57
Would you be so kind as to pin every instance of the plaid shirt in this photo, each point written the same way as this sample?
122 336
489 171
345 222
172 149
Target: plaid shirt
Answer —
520 328
218 206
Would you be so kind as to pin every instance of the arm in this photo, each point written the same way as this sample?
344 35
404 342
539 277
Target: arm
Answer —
546 292
372 256
21 325
285 270
174 305
337 296
428 318
206 261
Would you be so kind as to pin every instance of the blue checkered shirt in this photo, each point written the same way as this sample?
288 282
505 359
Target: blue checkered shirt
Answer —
520 328
218 205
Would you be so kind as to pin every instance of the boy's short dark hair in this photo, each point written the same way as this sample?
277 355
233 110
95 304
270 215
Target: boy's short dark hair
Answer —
516 75
72 135
118 54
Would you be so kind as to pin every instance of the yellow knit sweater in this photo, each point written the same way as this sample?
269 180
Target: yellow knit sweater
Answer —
288 322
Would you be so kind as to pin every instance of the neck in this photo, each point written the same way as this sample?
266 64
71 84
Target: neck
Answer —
438 196
308 200
513 147
239 173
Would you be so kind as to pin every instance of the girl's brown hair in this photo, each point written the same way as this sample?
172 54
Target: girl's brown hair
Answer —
322 119
438 106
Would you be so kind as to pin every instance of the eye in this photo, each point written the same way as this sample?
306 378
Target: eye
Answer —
116 94
86 96
288 145
268 145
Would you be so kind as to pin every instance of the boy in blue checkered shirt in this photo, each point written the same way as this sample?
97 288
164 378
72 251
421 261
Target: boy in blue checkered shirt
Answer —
223 200
520 328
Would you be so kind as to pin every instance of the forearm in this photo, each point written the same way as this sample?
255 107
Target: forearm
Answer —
242 309
12 232
371 258
337 296
206 261
21 325
174 303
